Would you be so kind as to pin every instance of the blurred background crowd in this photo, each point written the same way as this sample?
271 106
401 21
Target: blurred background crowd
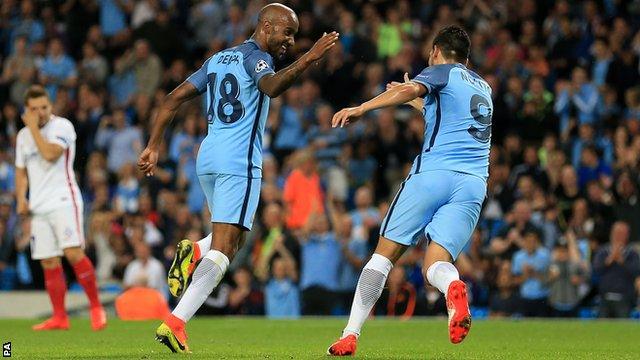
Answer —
560 227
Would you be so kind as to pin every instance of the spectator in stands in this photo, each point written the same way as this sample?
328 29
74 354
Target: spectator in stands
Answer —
320 264
581 95
58 69
184 139
122 143
188 180
354 252
122 83
127 191
324 140
390 34
587 136
389 151
627 207
146 67
581 223
567 273
510 237
113 16
145 270
602 58
289 126
7 173
609 109
529 267
274 237
7 258
164 36
591 167
632 101
365 216
302 192
566 193
531 167
27 23
282 296
18 62
245 298
617 266
362 165
91 109
399 298
505 301
93 67
234 28
205 20
536 117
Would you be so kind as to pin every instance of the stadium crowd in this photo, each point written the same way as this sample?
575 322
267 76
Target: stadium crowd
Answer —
560 228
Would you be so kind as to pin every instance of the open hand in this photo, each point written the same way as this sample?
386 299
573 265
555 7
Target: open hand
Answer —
395 83
326 42
346 116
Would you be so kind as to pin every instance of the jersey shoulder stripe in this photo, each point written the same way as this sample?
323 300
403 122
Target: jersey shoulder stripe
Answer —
435 77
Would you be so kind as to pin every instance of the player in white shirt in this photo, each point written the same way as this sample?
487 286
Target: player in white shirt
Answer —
45 150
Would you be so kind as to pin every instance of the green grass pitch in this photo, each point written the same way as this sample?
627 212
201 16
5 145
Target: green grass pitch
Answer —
257 338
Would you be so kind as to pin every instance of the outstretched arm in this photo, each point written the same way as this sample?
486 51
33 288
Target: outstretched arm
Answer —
276 84
395 96
417 103
168 108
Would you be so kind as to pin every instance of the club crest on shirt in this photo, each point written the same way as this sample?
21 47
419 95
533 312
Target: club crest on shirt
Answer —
68 232
261 65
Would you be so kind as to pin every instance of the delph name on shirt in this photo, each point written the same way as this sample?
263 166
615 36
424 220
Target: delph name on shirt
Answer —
228 59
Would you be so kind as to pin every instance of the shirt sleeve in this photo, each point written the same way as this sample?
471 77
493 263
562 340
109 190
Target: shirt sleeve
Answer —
516 266
434 78
258 64
62 134
544 263
19 155
128 278
199 78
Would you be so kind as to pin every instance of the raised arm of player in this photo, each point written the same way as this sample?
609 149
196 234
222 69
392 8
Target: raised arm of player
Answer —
396 95
276 84
417 103
49 151
168 108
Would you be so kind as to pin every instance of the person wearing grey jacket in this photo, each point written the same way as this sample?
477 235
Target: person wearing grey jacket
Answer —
567 276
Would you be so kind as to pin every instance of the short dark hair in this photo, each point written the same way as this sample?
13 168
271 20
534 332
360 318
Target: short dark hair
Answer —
454 43
35 91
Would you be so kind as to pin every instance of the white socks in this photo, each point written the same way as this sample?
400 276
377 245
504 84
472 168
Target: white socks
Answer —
205 244
441 274
205 278
370 285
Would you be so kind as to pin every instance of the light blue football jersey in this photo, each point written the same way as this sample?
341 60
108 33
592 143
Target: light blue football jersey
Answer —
457 113
236 110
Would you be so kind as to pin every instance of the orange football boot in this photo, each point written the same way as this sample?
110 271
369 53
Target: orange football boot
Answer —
54 323
344 347
458 308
